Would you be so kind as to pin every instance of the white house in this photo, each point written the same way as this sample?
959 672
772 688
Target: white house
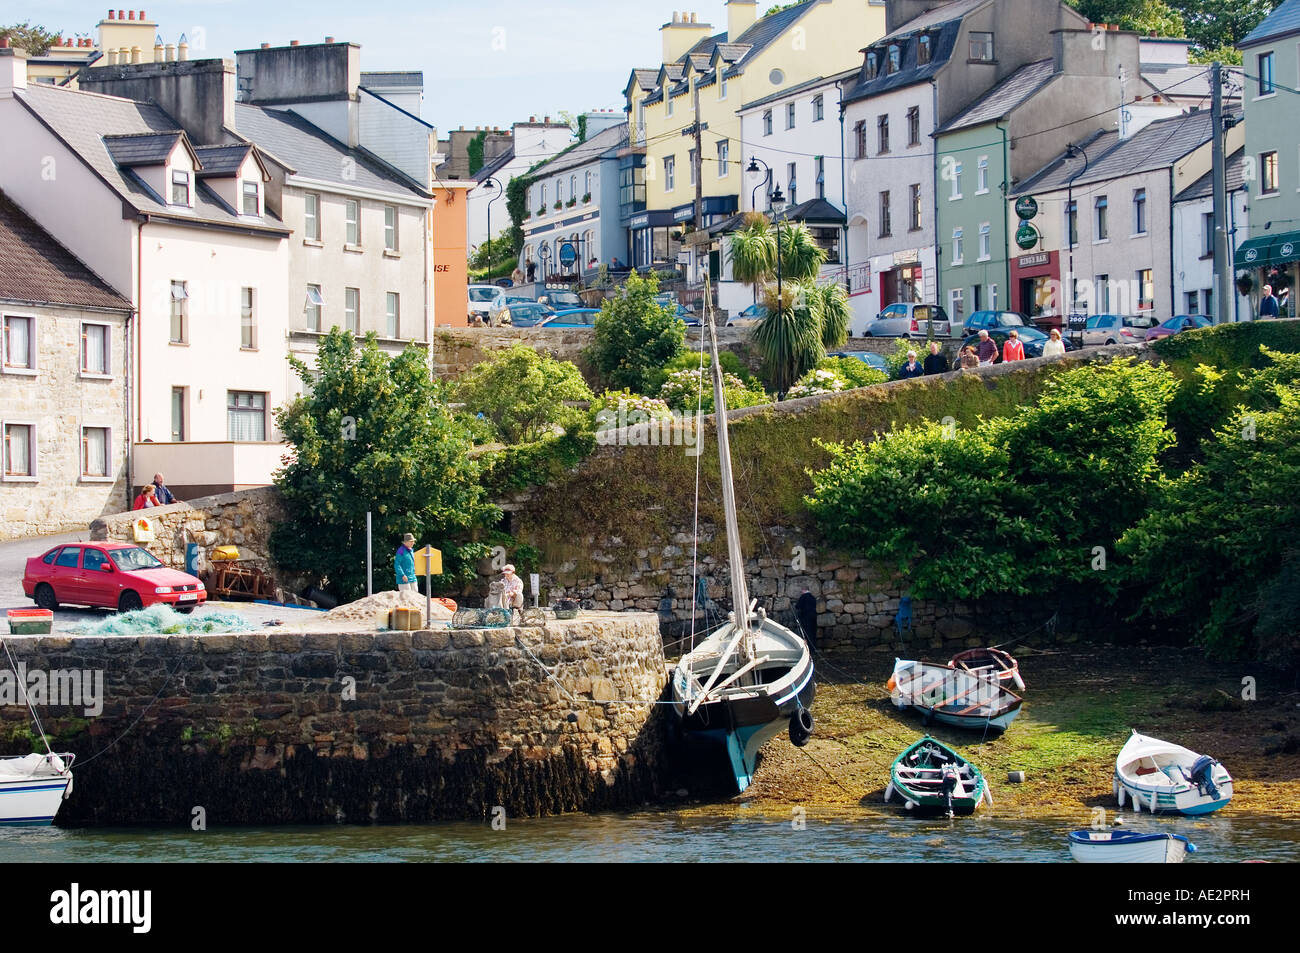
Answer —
533 143
1193 216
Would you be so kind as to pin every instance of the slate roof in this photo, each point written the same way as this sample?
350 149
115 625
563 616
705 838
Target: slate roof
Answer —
1203 188
150 148
222 160
814 211
86 122
314 154
944 25
1156 146
1283 21
393 78
614 137
1175 79
998 102
36 269
645 78
933 17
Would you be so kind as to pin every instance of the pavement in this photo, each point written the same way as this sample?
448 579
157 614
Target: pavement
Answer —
13 559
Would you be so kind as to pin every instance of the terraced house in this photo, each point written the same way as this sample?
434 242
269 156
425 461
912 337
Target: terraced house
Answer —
751 59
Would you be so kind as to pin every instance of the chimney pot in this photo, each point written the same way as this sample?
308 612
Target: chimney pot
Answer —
110 15
141 14
293 42
130 14
121 14
329 39
4 42
266 46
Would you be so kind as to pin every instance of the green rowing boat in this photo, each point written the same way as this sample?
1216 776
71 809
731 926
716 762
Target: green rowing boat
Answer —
930 776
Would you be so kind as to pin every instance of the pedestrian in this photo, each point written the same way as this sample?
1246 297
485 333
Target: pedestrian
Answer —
1267 303
160 491
404 565
805 610
616 264
969 359
987 351
512 588
531 268
146 498
1012 348
935 362
1054 347
911 368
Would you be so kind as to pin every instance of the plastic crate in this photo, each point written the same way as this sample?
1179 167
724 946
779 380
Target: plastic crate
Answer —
30 621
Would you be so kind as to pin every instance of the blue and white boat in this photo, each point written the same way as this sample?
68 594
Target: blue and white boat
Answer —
32 788
752 678
1128 847
1160 777
953 696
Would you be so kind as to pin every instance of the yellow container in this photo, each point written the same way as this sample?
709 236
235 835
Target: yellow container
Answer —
404 619
225 554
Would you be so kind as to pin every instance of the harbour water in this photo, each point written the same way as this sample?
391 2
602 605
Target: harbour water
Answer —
714 833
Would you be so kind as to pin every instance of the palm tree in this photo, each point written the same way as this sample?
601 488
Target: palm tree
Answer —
789 337
831 303
801 257
753 252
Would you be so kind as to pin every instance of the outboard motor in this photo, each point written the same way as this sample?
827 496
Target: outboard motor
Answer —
1203 776
948 784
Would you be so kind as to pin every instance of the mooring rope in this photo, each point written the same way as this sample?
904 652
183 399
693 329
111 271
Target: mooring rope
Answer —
30 707
145 711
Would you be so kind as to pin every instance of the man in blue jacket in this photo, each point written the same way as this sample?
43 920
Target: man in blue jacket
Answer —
404 565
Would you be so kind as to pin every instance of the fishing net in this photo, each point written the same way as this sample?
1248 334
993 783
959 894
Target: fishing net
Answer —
162 620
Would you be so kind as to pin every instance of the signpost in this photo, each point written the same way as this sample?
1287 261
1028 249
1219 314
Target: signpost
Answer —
1075 323
428 563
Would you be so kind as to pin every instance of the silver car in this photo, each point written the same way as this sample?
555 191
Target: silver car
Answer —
909 321
486 301
1117 329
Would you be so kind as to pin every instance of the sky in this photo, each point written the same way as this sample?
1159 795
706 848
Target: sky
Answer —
485 62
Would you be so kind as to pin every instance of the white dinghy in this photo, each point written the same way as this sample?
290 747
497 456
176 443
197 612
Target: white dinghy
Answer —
33 786
1161 777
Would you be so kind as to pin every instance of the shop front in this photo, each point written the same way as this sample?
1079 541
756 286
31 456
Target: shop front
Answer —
1036 286
650 238
1273 261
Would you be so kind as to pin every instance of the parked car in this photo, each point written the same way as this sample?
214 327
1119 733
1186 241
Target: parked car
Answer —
909 321
561 300
1179 322
869 358
486 301
118 576
1117 328
519 299
528 314
747 318
1032 339
571 318
988 320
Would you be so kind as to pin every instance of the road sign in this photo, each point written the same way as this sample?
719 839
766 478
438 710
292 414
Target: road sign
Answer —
431 556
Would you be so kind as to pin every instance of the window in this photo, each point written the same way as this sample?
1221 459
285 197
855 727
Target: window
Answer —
178 414
993 297
1140 212
1072 222
977 298
1207 296
393 313
354 222
247 320
885 229
352 310
96 355
668 103
1146 289
252 198
956 305
895 58
981 47
543 188
860 138
1100 228
819 168
724 158
1268 173
873 64
1191 300
986 241
68 557
767 123
19 344
914 208
914 126
180 312
982 175
1207 240
690 165
94 451
722 83
586 182
245 416
819 108
311 216
1103 293
312 308
390 228
923 49
789 115
956 246
956 181
827 239
791 170
573 187
882 133
19 456
180 187
1265 73
670 173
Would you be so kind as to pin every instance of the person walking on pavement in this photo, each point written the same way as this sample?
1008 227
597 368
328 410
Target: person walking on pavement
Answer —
1013 349
1267 303
404 565
987 351
935 362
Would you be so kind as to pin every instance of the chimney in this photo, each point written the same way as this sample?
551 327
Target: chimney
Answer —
199 95
741 15
266 46
680 35
293 42
121 14
110 15
13 69
135 54
157 49
130 14
329 39
183 49
171 52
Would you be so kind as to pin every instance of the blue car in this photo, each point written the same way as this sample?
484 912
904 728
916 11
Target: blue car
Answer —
867 357
572 318
527 314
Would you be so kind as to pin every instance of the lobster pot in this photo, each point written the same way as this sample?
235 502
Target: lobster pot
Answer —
405 619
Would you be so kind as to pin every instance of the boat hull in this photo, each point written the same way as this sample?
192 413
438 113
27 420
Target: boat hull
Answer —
952 696
31 791
1107 847
990 662
1156 776
916 778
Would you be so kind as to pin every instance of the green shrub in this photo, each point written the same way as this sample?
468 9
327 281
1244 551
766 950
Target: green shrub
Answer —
635 336
853 372
682 391
524 393
817 381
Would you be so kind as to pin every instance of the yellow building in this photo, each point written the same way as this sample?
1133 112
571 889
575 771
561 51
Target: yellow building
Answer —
123 36
753 58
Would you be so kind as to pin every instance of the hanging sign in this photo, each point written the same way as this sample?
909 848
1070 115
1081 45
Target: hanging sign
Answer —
1026 207
1026 236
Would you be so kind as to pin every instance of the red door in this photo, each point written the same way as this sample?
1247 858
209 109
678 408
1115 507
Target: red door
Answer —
65 575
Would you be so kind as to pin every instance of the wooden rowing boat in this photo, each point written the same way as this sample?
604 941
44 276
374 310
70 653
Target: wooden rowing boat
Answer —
929 776
953 696
990 662
1161 777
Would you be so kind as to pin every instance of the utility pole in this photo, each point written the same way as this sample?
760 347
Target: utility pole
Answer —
1223 285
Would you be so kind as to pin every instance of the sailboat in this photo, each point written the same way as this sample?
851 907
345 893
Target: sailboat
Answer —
751 678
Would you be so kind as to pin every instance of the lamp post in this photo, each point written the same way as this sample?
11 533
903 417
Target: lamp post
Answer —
1072 151
489 184
777 205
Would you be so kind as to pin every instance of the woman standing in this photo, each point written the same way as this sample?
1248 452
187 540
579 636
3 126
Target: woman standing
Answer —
969 359
1054 347
146 498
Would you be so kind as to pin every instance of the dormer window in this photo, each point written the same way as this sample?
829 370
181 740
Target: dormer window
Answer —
668 102
923 49
873 64
250 198
981 47
180 188
895 58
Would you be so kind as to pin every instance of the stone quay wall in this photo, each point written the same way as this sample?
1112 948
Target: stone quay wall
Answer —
285 728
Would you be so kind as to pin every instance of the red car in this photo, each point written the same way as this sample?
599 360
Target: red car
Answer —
118 576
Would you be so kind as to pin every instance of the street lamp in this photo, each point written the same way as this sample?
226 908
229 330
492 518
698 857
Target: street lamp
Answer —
1071 152
753 166
489 184
778 209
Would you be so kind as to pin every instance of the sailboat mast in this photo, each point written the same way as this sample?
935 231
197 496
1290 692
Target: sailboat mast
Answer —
736 559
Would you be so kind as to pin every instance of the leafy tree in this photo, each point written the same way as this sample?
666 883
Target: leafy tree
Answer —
1218 24
524 393
1142 16
475 152
691 360
635 336
831 303
789 337
373 433
801 257
36 40
753 251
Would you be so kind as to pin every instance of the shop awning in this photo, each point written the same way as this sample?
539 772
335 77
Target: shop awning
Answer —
1268 250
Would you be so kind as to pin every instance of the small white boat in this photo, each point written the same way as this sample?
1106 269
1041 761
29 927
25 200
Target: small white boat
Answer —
32 787
953 696
994 662
1128 847
1160 777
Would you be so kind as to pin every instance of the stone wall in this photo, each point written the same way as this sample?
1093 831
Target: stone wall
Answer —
283 728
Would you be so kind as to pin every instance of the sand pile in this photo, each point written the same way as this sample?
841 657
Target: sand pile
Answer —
372 611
